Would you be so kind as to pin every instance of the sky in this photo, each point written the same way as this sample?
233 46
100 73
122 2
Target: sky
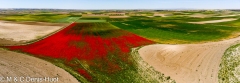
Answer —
122 4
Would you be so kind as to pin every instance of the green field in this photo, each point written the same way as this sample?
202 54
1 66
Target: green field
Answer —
67 20
175 30
55 18
33 17
89 21
189 19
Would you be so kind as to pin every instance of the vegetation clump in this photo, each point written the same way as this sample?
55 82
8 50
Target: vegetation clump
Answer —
230 66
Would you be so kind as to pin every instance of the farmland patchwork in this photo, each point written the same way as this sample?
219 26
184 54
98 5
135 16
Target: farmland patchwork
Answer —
92 52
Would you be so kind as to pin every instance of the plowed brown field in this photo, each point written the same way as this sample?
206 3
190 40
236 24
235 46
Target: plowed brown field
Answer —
188 63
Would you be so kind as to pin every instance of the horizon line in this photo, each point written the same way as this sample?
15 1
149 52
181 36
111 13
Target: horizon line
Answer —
136 9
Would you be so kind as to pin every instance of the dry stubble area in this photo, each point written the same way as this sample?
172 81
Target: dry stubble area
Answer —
20 32
14 64
188 63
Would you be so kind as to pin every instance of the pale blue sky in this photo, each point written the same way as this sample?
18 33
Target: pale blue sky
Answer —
122 4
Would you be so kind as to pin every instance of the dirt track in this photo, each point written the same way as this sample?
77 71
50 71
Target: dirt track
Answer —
188 63
17 65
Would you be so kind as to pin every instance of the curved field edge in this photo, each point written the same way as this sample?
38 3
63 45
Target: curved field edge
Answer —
146 71
39 38
230 66
60 63
48 35
57 62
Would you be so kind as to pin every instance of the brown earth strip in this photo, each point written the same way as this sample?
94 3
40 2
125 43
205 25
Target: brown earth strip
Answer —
188 63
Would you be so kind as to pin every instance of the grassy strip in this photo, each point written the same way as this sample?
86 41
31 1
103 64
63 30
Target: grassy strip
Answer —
67 20
138 72
33 17
87 21
146 71
60 63
230 65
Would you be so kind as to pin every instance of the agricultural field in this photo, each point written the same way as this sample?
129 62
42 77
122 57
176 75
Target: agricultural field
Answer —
67 20
33 17
44 17
172 47
89 21
19 64
175 30
94 52
195 63
25 31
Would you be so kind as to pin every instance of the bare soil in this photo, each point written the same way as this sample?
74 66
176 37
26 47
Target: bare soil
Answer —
226 16
20 65
38 23
162 15
20 32
214 21
199 15
188 63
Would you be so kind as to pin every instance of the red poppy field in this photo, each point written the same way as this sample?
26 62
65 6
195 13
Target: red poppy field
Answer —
97 51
